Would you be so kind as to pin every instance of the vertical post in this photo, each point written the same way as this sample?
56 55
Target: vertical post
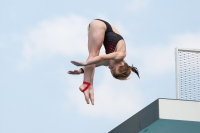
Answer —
177 72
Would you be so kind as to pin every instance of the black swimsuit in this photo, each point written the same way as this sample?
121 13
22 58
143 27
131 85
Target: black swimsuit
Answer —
111 38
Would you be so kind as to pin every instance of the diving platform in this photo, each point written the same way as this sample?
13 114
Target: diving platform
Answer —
164 116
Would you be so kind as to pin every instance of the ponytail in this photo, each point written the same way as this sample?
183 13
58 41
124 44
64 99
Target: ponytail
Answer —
135 70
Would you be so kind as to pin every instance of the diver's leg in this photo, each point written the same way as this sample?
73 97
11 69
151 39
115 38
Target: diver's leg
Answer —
96 33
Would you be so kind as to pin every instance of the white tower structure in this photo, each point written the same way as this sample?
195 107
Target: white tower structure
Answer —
187 74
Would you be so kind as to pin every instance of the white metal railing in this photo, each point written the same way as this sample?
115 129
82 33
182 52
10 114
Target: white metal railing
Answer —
187 74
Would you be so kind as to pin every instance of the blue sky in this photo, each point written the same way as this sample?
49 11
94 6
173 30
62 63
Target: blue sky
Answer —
39 38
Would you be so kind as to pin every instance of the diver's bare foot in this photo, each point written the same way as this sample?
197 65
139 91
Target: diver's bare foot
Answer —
89 93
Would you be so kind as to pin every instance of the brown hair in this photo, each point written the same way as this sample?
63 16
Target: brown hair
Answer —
124 71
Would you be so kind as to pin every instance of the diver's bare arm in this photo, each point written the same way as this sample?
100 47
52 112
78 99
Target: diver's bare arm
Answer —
99 59
81 70
103 63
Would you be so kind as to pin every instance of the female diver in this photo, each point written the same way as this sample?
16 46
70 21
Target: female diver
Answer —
101 32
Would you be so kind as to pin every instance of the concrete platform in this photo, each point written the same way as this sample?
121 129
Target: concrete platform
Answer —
164 116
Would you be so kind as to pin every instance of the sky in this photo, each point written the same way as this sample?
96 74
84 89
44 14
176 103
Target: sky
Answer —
39 38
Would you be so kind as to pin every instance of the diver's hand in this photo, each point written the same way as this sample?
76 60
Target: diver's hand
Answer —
78 63
75 72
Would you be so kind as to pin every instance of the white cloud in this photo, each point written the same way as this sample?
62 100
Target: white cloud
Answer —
113 100
59 36
138 4
159 59
121 29
65 35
